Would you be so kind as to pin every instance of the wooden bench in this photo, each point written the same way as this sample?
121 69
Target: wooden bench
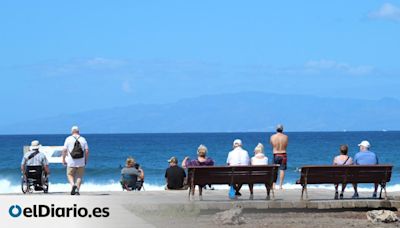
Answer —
204 175
345 174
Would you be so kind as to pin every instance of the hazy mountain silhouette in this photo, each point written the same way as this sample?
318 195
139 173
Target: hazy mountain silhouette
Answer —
250 111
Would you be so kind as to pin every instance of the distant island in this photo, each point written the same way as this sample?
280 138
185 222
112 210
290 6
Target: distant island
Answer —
236 112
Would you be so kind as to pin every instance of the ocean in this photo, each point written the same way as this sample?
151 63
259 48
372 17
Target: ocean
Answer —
108 153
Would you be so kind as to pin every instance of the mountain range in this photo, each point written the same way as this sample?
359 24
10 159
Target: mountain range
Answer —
236 112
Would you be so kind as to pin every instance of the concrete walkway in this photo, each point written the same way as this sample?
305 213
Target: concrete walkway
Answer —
144 208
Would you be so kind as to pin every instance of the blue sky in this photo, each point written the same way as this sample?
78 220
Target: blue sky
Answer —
82 55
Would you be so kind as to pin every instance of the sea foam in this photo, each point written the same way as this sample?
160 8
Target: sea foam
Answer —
7 187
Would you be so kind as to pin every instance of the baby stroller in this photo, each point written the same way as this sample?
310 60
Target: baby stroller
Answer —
34 179
131 183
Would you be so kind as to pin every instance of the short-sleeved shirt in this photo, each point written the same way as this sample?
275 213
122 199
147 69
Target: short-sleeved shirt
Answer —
238 156
259 159
38 160
175 177
207 162
69 146
366 158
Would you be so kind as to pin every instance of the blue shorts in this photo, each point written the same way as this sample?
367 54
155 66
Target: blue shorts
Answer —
281 159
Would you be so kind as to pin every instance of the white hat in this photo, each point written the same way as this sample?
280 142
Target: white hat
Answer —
74 128
35 145
365 143
237 142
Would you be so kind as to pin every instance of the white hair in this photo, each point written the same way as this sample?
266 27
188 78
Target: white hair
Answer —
259 148
202 147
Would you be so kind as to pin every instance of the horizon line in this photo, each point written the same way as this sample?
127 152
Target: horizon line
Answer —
214 132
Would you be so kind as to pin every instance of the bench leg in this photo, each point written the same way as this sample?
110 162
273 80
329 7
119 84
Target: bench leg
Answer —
269 188
200 193
306 193
302 192
384 189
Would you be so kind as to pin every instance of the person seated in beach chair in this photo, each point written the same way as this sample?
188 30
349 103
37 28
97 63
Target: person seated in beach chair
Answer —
132 176
342 159
175 176
202 160
35 170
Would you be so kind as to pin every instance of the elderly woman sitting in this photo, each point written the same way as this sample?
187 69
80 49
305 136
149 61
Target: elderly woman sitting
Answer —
202 160
132 176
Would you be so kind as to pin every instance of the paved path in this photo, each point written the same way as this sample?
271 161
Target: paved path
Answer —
141 208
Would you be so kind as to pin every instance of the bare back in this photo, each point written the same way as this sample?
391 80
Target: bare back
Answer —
279 142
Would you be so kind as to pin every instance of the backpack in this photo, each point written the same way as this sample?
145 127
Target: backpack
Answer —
77 151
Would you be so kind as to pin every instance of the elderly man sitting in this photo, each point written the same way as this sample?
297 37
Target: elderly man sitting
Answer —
238 156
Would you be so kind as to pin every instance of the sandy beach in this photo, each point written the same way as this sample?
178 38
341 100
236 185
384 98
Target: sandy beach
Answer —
174 209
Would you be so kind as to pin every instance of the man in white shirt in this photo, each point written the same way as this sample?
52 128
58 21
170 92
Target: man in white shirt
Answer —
238 156
75 157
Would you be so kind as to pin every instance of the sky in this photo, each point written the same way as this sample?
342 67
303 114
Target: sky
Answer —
72 56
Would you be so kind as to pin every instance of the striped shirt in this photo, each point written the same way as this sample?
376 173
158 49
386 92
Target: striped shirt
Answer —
39 159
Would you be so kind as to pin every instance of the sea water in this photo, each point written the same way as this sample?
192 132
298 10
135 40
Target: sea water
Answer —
108 153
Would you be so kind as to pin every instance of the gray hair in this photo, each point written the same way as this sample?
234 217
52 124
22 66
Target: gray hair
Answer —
202 147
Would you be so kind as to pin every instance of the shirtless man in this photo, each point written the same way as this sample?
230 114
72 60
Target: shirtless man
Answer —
279 142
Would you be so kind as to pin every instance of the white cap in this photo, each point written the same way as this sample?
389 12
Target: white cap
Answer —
365 143
74 128
35 145
237 142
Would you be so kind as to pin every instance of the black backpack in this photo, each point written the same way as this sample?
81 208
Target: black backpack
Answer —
77 152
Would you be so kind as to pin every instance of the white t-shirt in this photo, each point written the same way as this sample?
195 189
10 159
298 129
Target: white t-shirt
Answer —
238 156
69 145
259 159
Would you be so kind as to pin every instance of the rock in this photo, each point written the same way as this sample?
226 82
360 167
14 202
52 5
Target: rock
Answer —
384 216
230 217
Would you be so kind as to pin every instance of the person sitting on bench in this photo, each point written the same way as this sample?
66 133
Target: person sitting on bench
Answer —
342 159
365 157
202 160
238 156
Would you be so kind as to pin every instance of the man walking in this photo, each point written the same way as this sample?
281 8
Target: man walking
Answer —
75 157
279 142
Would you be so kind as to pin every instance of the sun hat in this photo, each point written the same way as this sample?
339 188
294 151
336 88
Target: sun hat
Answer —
35 145
279 127
365 143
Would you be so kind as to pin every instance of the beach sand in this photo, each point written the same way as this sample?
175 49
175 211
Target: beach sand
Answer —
174 209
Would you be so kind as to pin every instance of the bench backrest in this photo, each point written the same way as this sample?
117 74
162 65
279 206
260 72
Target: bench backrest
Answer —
346 174
266 174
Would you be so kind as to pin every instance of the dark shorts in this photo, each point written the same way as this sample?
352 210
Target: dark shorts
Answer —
281 159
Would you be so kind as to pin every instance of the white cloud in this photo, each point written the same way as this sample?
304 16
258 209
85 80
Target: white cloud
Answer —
322 65
387 11
126 87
